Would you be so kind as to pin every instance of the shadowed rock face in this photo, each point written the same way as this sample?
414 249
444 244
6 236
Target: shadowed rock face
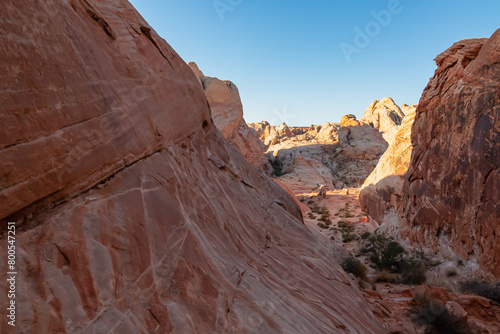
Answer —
134 213
453 197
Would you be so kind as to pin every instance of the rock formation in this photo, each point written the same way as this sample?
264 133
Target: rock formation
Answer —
406 109
451 197
133 214
383 189
385 116
453 182
227 114
349 120
360 141
275 135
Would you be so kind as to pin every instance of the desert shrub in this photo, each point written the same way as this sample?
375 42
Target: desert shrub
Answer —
366 235
348 238
325 218
482 289
354 266
345 213
386 253
346 229
311 215
436 318
320 210
412 272
323 226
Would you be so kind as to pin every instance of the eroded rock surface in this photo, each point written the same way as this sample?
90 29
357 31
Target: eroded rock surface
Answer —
384 187
361 141
276 135
385 116
227 113
134 215
451 200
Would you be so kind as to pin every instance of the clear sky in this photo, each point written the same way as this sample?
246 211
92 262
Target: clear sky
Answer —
312 61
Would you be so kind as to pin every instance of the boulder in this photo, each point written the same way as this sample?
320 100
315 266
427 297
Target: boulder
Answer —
349 120
359 140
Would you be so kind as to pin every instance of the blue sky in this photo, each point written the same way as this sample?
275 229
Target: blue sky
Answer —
305 62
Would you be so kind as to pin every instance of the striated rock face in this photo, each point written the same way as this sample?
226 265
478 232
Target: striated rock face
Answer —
227 114
383 189
385 116
134 215
453 197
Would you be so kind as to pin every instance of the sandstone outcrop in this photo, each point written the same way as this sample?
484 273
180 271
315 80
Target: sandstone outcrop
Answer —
134 214
360 141
275 135
227 113
451 198
349 120
408 109
453 183
385 116
383 189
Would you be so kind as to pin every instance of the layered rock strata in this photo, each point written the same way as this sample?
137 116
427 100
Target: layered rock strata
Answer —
133 214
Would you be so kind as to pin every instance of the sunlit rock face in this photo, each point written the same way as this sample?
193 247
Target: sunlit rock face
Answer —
385 116
383 189
227 113
134 214
360 141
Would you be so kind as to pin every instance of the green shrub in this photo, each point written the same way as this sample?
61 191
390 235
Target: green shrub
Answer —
346 229
386 253
354 266
482 289
366 235
323 226
326 218
344 213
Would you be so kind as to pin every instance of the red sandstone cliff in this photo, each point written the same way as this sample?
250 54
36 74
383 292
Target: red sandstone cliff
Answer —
453 185
134 215
451 193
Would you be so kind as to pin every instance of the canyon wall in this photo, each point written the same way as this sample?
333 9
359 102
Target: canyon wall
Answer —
133 213
452 194
446 196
